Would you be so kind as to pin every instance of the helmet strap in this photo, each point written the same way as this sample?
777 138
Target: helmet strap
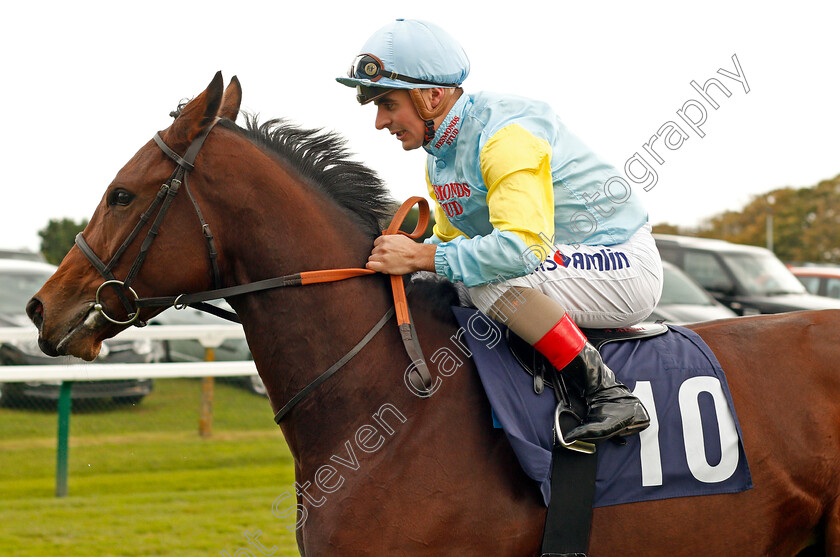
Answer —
429 132
427 113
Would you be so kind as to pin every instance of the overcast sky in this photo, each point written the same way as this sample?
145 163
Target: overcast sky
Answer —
86 84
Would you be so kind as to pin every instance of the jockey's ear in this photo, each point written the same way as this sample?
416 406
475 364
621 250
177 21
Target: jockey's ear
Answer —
196 116
231 100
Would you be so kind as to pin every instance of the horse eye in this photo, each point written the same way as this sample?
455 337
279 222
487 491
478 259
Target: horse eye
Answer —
120 197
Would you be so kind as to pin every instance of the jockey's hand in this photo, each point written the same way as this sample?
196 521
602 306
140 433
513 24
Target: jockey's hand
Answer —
396 254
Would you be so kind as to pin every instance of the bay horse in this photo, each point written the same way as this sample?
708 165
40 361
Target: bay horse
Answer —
381 471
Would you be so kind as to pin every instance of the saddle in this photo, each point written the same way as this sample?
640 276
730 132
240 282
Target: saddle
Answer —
659 370
538 366
573 475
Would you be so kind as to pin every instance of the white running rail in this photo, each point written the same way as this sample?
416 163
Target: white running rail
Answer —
209 336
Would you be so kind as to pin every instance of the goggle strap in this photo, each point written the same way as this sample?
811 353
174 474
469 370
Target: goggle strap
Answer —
399 77
357 73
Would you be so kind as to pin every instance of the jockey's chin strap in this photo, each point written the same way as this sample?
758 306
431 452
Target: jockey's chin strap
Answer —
420 377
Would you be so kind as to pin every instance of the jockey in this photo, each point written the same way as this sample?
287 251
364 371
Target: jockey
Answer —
545 234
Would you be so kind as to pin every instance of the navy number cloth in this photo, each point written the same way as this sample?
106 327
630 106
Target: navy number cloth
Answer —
692 447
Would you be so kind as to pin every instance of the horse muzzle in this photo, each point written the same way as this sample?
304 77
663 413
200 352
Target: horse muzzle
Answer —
80 334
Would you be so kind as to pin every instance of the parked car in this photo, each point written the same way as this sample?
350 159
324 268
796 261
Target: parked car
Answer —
749 280
19 280
23 254
684 301
819 280
189 350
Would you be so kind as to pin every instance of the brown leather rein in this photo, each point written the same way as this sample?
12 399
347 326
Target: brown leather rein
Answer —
419 375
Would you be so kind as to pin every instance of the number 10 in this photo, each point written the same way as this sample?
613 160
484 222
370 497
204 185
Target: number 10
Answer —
695 450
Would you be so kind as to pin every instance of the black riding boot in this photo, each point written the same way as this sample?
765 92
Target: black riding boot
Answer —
613 409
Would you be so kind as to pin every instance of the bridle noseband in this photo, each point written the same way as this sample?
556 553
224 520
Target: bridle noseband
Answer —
162 201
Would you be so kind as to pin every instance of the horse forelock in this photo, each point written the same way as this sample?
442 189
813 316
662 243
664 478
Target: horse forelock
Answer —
322 159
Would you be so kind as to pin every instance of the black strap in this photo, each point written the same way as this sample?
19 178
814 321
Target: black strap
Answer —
569 515
144 218
171 192
192 299
186 165
161 204
333 368
217 311
208 237
104 270
399 77
93 258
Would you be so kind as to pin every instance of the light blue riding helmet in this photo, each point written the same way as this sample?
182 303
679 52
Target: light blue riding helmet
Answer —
407 54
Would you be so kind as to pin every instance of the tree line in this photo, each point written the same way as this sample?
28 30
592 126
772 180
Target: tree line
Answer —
805 223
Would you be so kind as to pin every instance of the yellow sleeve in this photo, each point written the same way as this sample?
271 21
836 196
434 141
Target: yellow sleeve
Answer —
443 229
516 167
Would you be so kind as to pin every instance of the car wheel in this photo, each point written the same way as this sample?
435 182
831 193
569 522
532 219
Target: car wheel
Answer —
132 400
254 384
167 351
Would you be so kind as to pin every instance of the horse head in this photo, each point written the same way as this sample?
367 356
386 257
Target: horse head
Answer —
65 309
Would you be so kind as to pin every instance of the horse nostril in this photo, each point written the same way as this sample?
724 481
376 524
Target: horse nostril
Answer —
35 311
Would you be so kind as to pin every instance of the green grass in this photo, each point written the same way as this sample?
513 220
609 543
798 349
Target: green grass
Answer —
142 481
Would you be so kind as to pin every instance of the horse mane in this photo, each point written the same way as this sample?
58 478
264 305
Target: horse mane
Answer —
439 293
323 160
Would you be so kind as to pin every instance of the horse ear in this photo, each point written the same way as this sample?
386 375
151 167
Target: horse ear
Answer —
197 115
231 100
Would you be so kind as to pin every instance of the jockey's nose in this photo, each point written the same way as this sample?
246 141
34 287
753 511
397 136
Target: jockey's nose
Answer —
382 118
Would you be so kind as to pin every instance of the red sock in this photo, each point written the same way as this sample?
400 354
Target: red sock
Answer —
561 343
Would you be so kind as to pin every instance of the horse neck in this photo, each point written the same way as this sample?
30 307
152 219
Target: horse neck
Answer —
296 333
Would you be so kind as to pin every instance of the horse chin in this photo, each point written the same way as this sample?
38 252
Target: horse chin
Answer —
84 340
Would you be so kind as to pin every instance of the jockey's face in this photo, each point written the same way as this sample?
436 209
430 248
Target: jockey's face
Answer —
395 111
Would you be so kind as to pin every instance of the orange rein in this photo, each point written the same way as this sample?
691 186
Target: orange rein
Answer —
420 378
400 302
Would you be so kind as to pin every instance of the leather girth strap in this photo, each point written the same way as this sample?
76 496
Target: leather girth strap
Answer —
569 516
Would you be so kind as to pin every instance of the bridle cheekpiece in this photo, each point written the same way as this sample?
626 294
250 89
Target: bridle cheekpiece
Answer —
161 203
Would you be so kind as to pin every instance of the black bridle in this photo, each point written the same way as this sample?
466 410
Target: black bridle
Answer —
161 203
420 376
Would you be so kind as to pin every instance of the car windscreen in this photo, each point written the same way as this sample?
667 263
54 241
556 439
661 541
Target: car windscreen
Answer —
16 289
763 274
677 288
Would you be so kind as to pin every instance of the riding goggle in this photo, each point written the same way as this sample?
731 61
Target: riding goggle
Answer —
368 66
365 94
